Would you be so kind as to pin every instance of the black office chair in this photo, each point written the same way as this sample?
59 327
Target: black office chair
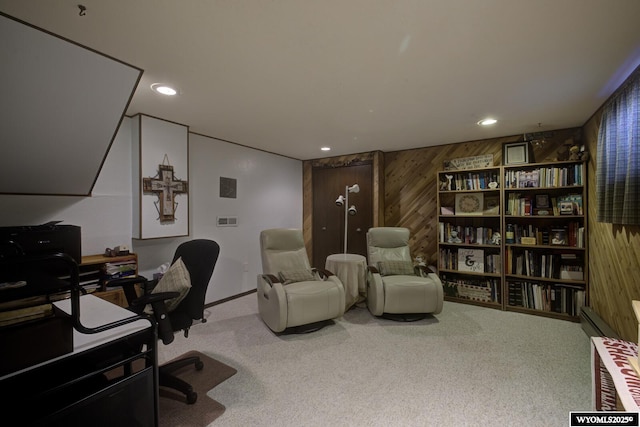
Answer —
199 257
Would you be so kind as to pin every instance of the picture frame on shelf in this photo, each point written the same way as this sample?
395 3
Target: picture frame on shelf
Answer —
469 204
515 153
491 205
543 205
471 260
447 210
559 237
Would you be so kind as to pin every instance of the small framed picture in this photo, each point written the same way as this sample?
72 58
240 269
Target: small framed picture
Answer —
514 153
542 201
559 236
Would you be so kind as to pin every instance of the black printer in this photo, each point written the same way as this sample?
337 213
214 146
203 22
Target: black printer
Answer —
42 239
29 261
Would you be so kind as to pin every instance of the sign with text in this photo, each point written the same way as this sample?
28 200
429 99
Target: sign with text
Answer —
475 162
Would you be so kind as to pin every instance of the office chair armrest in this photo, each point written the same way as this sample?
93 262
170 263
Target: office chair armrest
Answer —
160 312
129 286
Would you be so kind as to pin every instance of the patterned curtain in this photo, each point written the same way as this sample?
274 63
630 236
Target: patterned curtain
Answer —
618 161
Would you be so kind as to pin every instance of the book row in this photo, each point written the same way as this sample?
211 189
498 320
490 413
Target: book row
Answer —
544 265
570 235
450 233
485 290
469 181
556 298
518 204
546 177
470 260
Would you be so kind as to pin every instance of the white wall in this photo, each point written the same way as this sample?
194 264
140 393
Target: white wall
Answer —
269 195
104 218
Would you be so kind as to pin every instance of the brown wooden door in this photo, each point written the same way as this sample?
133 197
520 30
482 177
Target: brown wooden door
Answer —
328 219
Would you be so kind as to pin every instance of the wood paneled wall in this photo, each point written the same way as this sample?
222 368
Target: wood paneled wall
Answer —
404 185
411 183
614 256
376 158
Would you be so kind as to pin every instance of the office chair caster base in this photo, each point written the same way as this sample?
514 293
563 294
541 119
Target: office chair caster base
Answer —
192 397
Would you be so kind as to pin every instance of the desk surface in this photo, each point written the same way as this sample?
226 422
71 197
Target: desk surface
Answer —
95 312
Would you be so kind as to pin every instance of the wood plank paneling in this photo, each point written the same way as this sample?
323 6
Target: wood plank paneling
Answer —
411 183
614 260
376 158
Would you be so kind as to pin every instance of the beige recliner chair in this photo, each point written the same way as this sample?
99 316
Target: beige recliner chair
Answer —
395 288
292 295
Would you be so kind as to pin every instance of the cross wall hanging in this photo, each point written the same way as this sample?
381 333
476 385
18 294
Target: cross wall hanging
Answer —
166 186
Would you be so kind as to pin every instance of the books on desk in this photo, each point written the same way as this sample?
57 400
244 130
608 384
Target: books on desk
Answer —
24 314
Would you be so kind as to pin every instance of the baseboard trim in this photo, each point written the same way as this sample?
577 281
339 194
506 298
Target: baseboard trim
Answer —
594 326
211 304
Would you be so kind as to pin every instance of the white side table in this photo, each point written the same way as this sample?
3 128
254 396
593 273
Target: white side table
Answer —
351 269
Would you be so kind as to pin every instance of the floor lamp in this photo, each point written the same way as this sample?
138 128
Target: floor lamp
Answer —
348 210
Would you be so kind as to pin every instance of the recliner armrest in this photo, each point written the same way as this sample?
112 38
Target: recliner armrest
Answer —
371 269
270 279
424 270
322 272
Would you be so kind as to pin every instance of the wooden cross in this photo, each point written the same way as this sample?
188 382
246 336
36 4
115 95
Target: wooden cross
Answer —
166 186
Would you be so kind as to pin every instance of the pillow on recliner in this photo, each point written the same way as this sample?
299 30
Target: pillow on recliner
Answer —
292 276
390 268
176 279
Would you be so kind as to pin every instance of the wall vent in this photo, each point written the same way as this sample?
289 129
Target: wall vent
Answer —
227 221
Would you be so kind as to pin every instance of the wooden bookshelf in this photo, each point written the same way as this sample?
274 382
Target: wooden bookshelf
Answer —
546 262
469 261
541 264
95 279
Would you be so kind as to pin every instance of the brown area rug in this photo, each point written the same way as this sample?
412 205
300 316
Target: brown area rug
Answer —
174 411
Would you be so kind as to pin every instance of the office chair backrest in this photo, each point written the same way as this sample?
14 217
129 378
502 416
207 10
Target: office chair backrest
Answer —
388 244
200 257
283 249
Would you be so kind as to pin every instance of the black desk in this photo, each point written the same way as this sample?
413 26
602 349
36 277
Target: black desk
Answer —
73 389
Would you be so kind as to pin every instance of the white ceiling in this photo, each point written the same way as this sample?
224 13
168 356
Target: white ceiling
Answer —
290 76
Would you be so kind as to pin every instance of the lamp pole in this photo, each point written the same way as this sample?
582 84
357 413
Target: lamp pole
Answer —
355 188
346 216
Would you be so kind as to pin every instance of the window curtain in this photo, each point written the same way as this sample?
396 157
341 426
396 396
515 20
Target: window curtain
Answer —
618 160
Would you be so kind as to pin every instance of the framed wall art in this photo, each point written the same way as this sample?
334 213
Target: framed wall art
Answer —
469 204
514 153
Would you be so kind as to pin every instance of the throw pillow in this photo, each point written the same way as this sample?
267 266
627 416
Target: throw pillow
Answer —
176 279
390 268
292 276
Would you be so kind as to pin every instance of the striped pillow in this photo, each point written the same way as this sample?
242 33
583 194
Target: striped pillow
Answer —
390 268
292 276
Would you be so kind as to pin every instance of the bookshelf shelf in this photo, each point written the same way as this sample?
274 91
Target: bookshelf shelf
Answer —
95 275
540 264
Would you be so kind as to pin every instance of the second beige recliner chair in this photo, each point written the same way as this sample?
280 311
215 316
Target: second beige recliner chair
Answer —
395 288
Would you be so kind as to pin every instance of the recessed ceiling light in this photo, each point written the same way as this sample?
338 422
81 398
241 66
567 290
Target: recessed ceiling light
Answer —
164 89
326 148
487 122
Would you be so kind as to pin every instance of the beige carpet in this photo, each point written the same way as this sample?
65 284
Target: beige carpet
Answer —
174 412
